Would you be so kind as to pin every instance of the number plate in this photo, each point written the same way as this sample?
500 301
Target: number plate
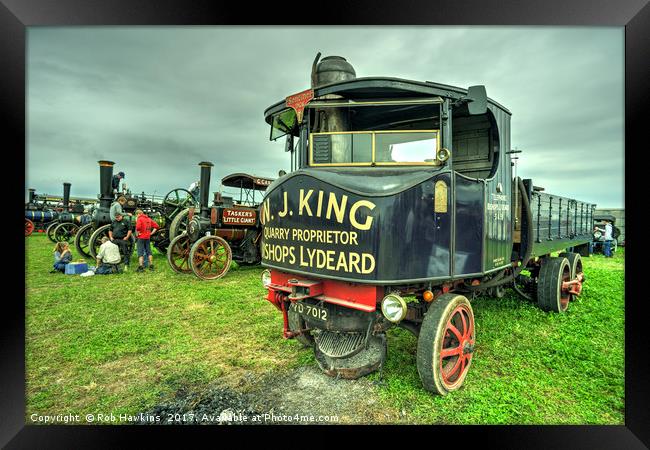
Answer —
312 311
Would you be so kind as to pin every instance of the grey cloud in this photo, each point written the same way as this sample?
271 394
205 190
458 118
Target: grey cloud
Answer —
157 100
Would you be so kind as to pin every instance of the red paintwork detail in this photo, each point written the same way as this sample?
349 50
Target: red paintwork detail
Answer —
458 334
190 214
357 296
299 101
239 216
213 215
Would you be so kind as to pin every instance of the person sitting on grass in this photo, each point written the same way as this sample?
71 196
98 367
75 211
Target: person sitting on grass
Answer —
108 258
62 257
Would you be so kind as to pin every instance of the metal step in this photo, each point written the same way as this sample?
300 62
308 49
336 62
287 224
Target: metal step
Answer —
339 345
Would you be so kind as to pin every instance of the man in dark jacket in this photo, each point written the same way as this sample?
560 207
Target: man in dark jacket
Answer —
120 234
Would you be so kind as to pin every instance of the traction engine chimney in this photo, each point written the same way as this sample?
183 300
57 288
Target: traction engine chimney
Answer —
105 179
206 169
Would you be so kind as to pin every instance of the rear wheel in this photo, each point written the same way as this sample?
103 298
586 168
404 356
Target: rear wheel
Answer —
550 294
179 224
65 232
446 344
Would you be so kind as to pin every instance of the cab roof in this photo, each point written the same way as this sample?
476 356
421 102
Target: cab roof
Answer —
246 181
366 88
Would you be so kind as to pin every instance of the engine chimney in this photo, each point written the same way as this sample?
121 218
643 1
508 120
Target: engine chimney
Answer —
206 168
66 196
105 179
32 194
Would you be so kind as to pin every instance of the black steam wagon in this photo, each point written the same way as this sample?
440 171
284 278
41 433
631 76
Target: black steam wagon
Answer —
39 214
68 220
206 242
402 207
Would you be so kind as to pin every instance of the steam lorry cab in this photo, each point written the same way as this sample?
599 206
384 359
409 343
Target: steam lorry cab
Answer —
400 205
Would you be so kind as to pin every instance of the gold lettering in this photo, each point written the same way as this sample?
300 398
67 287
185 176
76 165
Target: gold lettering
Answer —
354 261
342 263
266 212
339 210
353 211
319 208
304 202
371 260
284 211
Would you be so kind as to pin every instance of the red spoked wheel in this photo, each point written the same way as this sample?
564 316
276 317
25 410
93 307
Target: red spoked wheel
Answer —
210 257
446 344
457 346
29 227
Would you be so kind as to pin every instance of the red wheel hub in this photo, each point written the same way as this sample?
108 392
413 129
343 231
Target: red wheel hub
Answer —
457 346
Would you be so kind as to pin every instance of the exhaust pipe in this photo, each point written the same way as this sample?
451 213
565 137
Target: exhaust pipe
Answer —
66 196
206 169
105 178
32 194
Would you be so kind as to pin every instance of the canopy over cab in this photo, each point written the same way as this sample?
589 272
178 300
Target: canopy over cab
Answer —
247 184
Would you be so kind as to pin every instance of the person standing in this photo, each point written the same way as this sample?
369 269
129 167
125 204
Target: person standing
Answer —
117 207
115 182
607 238
120 234
144 228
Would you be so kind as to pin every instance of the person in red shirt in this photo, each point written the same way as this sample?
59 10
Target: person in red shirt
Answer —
144 228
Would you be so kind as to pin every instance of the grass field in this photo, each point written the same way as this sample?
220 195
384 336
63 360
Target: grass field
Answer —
124 343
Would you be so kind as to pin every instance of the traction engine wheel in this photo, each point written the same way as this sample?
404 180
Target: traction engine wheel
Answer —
446 344
176 201
82 239
50 230
210 257
178 254
65 231
179 224
551 295
96 240
29 227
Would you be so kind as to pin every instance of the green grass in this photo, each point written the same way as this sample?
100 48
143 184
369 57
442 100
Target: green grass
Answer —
123 343
530 367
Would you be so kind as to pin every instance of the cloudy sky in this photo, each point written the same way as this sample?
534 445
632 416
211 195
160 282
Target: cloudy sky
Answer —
158 100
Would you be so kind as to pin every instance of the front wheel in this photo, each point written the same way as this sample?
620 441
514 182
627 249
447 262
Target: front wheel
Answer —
82 238
95 240
178 254
210 257
29 227
446 344
50 230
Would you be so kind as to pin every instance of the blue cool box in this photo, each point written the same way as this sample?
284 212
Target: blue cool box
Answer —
75 268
